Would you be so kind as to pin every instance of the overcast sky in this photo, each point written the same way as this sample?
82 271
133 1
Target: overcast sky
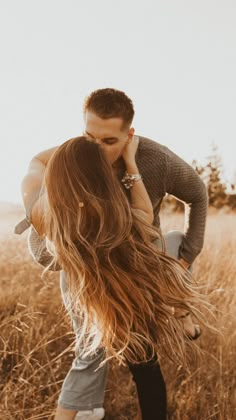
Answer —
175 58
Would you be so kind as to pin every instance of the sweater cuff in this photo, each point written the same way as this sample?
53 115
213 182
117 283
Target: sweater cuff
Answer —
187 252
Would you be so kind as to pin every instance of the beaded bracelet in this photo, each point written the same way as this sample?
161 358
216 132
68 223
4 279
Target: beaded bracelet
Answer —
128 180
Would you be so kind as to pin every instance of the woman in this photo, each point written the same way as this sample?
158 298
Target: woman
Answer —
127 294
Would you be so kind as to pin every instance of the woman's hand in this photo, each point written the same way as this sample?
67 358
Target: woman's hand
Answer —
184 263
130 150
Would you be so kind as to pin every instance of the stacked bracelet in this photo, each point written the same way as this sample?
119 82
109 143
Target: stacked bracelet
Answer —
128 180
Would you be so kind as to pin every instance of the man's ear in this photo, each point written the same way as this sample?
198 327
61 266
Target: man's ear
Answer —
131 133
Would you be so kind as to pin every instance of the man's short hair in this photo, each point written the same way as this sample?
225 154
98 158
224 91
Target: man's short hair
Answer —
110 103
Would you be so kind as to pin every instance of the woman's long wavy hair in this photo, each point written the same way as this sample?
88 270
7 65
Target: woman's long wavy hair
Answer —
123 288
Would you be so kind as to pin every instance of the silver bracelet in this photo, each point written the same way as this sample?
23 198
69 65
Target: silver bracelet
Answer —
128 180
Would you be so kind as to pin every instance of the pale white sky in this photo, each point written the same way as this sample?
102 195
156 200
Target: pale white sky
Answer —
175 58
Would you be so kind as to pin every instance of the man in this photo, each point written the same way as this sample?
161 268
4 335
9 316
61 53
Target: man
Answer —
108 115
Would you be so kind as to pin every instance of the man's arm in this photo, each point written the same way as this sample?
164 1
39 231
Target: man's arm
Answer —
186 185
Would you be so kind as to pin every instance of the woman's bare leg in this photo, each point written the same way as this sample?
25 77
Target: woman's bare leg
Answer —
64 414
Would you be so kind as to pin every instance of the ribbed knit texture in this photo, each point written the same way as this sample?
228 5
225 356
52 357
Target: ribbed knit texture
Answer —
163 172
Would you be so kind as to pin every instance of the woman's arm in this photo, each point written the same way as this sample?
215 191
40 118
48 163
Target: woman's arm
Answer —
32 183
139 196
34 200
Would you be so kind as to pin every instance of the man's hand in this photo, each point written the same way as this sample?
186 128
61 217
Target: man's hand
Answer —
184 263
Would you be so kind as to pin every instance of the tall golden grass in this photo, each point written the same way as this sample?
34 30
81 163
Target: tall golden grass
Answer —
36 337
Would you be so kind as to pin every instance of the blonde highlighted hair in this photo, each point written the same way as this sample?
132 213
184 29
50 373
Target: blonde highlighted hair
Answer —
126 292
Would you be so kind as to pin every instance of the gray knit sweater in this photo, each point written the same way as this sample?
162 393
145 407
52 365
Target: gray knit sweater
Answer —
163 172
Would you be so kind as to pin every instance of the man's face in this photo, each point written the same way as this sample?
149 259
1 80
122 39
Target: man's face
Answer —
109 133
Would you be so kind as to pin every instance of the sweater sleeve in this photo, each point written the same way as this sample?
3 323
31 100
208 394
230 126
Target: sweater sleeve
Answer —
36 244
186 185
38 250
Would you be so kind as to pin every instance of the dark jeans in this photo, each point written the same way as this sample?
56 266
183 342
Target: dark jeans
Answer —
151 389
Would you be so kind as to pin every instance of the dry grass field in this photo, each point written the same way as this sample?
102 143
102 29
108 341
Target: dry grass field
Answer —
36 338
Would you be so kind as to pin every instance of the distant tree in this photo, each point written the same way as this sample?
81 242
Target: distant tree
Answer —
211 174
173 204
215 186
220 195
231 201
233 183
201 170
